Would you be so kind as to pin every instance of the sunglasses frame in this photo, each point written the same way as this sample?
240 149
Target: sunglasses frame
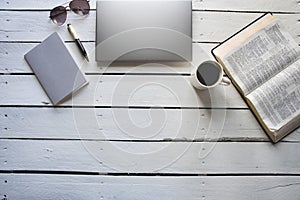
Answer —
66 7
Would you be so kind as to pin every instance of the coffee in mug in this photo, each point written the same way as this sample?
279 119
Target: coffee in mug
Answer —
208 75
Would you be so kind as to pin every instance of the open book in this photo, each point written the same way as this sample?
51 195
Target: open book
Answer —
262 60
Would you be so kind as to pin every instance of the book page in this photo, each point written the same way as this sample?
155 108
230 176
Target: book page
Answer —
278 100
261 57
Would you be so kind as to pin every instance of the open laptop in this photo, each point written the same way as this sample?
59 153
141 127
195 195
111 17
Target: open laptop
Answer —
143 30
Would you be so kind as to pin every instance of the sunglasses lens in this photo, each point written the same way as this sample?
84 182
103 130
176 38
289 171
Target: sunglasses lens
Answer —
58 15
80 7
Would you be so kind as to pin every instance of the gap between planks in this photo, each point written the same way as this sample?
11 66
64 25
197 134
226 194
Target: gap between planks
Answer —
193 10
130 174
223 140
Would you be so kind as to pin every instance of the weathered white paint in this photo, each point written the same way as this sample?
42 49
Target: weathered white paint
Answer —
207 26
244 5
44 123
123 90
227 5
22 186
12 60
150 157
50 135
35 4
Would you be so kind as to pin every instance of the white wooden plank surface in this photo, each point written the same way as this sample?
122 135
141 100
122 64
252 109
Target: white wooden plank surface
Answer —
35 4
259 5
20 186
218 26
36 26
125 90
12 60
45 139
244 5
102 124
150 157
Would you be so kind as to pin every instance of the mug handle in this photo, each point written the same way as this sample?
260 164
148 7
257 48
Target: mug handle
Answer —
225 81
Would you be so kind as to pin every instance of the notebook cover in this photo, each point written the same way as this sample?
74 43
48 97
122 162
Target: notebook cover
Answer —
55 68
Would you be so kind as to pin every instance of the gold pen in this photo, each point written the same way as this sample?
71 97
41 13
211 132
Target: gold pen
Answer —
77 40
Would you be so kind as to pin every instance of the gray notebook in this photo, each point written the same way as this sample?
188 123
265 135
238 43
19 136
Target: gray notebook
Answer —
55 68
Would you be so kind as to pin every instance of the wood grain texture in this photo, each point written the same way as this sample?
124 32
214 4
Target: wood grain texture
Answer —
36 26
115 90
136 124
12 60
248 6
224 5
145 140
150 157
22 186
36 4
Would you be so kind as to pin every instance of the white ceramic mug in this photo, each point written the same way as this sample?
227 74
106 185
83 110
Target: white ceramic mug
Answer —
207 75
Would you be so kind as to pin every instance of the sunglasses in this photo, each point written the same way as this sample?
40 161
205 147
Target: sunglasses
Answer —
59 14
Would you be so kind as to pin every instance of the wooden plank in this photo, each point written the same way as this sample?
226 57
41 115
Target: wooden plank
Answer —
218 26
133 90
36 4
232 5
28 26
136 124
258 5
36 26
150 157
12 60
28 186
